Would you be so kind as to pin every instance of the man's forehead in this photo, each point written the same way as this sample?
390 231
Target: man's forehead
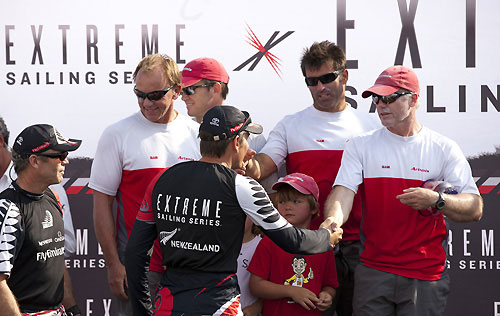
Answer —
325 67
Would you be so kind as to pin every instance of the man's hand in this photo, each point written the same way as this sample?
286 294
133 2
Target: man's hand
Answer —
246 160
418 198
117 279
325 301
303 296
335 231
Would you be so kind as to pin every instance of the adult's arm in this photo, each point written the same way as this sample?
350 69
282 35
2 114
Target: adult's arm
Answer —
338 206
141 239
464 207
256 204
104 225
8 302
260 167
69 299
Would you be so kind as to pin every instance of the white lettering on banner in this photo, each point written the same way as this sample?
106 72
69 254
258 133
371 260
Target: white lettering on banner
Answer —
107 306
89 302
106 303
91 263
488 248
496 308
82 241
466 242
450 243
479 264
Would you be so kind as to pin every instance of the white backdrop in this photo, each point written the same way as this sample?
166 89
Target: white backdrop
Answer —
219 29
33 92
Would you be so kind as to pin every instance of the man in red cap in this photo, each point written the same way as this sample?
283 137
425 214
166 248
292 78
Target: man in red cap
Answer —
205 85
204 82
403 232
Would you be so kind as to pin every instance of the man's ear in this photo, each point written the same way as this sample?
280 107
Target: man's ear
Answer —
177 92
217 88
2 142
236 143
414 100
345 76
33 161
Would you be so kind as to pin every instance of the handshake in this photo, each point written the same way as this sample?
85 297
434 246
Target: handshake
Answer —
334 229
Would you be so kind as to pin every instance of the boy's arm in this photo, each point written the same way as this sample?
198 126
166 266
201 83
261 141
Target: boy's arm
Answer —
325 298
271 291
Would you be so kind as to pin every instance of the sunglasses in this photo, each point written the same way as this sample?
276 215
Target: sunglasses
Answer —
388 98
61 156
327 78
191 89
153 95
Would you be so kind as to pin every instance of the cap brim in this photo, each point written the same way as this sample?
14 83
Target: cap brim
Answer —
189 81
294 185
381 90
70 145
254 128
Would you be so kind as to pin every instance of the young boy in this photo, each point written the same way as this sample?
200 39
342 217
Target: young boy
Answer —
293 284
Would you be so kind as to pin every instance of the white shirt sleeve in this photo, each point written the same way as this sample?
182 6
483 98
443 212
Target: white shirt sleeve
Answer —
106 172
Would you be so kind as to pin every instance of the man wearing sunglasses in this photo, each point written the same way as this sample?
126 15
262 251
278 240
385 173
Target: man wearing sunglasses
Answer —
311 141
205 85
32 271
403 259
129 154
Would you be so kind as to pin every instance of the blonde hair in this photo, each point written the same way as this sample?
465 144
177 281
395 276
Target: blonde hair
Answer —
167 64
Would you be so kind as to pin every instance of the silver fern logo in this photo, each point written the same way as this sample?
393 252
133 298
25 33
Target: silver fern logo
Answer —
166 236
9 214
48 221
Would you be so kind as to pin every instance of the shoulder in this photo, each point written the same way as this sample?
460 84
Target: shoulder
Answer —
440 141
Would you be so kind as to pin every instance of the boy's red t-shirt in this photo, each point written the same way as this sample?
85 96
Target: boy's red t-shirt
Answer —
273 264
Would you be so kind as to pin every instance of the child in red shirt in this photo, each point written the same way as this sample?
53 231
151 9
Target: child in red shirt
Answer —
293 284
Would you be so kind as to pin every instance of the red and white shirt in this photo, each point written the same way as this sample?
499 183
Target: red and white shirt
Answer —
312 142
396 238
130 153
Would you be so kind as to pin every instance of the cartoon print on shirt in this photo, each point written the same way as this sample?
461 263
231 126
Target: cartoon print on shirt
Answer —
299 267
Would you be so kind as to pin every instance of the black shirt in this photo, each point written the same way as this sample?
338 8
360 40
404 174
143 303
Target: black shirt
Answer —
32 248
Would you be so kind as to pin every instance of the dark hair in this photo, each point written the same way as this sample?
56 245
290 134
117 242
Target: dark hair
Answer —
319 53
4 132
289 193
217 148
20 161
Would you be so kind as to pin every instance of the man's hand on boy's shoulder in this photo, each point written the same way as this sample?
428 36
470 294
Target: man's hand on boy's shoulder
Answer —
335 231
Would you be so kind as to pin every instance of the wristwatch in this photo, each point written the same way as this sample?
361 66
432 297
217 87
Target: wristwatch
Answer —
73 311
441 203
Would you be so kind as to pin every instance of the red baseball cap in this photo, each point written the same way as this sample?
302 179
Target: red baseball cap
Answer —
203 68
392 79
300 182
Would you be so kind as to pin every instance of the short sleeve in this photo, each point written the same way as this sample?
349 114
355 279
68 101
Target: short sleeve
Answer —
106 171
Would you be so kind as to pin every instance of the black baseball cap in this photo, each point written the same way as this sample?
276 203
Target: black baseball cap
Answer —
38 138
225 121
